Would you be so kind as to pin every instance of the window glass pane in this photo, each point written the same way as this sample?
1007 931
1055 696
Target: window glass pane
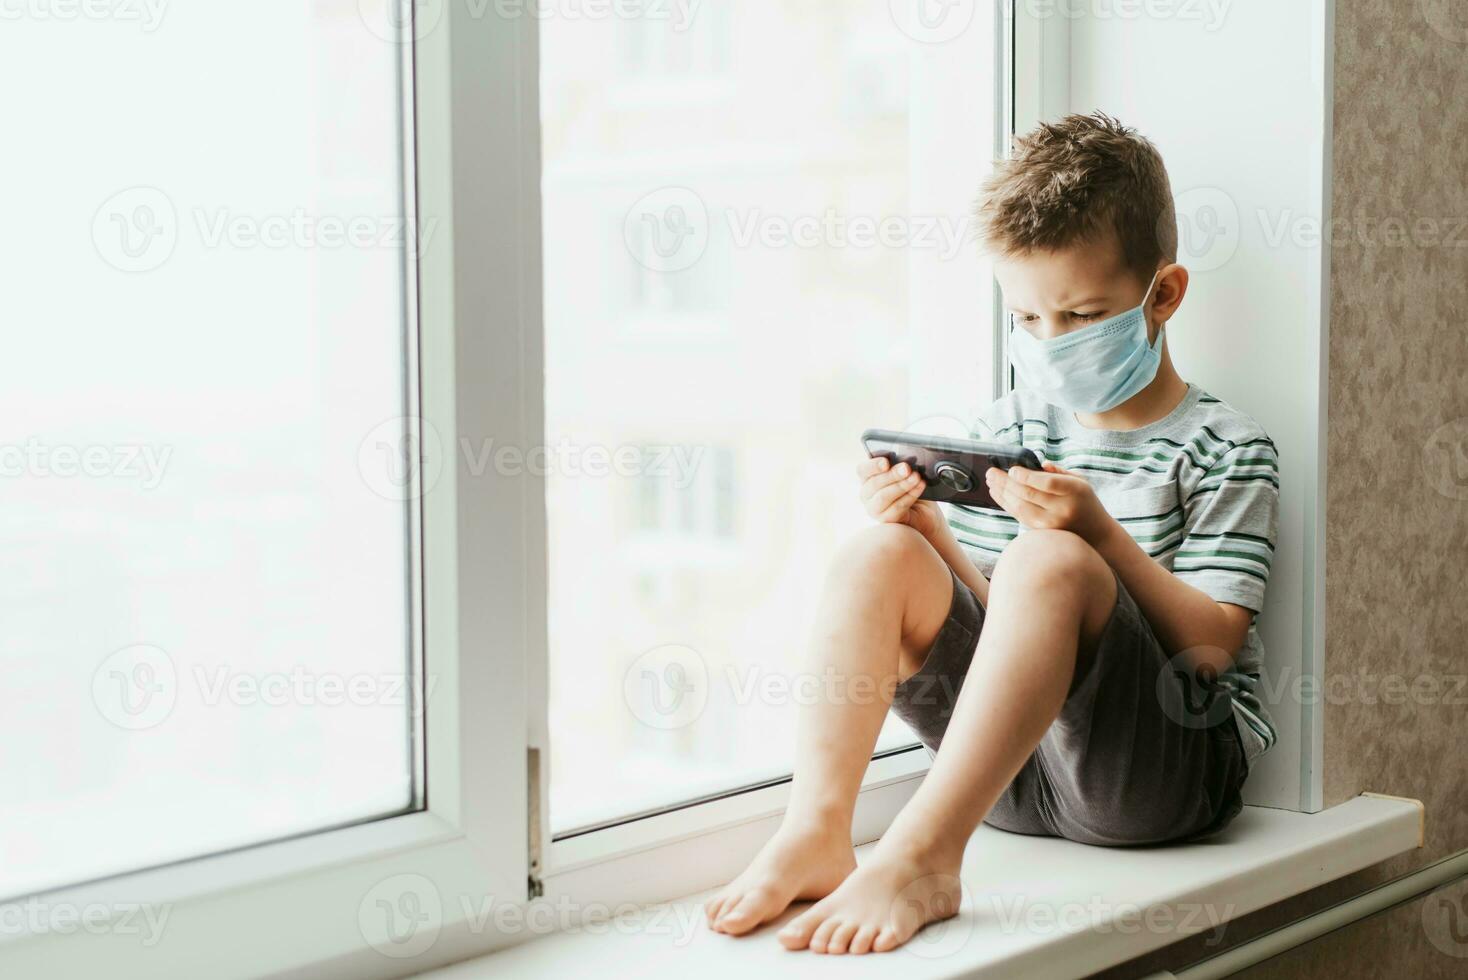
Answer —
755 220
205 597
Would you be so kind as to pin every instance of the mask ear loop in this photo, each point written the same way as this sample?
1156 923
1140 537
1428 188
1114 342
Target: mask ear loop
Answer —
1145 297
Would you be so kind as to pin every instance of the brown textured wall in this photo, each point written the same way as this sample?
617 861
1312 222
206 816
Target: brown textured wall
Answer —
1397 517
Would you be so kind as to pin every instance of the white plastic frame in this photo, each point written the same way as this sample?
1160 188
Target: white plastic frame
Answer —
320 904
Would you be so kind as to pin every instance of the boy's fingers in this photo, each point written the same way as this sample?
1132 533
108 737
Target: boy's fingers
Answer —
1018 508
903 504
1027 514
882 499
1019 490
871 466
1052 483
1013 496
874 484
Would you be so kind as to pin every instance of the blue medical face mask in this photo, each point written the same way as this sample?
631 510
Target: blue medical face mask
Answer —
1092 369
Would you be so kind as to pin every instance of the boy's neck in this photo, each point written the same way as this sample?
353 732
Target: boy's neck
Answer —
1154 402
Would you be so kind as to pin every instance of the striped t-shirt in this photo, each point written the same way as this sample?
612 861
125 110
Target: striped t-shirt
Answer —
1198 490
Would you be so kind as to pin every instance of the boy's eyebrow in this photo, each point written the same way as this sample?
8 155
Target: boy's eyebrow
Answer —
1097 301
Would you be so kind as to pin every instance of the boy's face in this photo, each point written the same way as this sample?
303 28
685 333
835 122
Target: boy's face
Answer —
1053 293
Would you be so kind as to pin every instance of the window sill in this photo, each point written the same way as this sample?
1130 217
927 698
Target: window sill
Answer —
1032 906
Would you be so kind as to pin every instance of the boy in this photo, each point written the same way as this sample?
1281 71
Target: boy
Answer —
1055 649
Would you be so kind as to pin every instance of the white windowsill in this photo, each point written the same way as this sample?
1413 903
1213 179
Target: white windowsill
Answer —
1032 906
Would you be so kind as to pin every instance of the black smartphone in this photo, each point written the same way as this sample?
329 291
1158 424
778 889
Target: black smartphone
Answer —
953 468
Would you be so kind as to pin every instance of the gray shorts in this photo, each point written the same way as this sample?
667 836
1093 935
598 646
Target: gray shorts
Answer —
1117 766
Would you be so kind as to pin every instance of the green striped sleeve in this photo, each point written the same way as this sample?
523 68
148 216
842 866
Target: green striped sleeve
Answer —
1232 520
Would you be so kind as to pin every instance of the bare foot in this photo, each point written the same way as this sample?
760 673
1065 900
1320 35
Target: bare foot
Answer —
880 906
802 861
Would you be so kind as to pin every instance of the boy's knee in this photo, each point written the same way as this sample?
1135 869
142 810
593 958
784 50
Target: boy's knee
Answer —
881 550
1050 556
1058 566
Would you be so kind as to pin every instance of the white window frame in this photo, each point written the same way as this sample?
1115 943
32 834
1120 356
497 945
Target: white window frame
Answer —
300 904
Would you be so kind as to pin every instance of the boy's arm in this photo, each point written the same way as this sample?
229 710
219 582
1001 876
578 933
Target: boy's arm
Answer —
1186 619
947 546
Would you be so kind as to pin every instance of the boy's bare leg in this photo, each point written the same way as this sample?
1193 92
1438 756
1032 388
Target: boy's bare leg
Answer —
885 600
1050 599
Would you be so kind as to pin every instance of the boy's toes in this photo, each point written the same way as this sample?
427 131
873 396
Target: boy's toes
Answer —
752 909
840 940
862 941
718 905
886 940
820 942
797 934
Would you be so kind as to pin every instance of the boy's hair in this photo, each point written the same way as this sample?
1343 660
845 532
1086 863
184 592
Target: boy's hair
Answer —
1073 181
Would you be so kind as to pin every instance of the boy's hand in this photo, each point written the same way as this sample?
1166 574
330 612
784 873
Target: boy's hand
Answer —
890 495
1055 499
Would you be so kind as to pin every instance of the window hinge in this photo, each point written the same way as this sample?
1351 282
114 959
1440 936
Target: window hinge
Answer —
535 888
